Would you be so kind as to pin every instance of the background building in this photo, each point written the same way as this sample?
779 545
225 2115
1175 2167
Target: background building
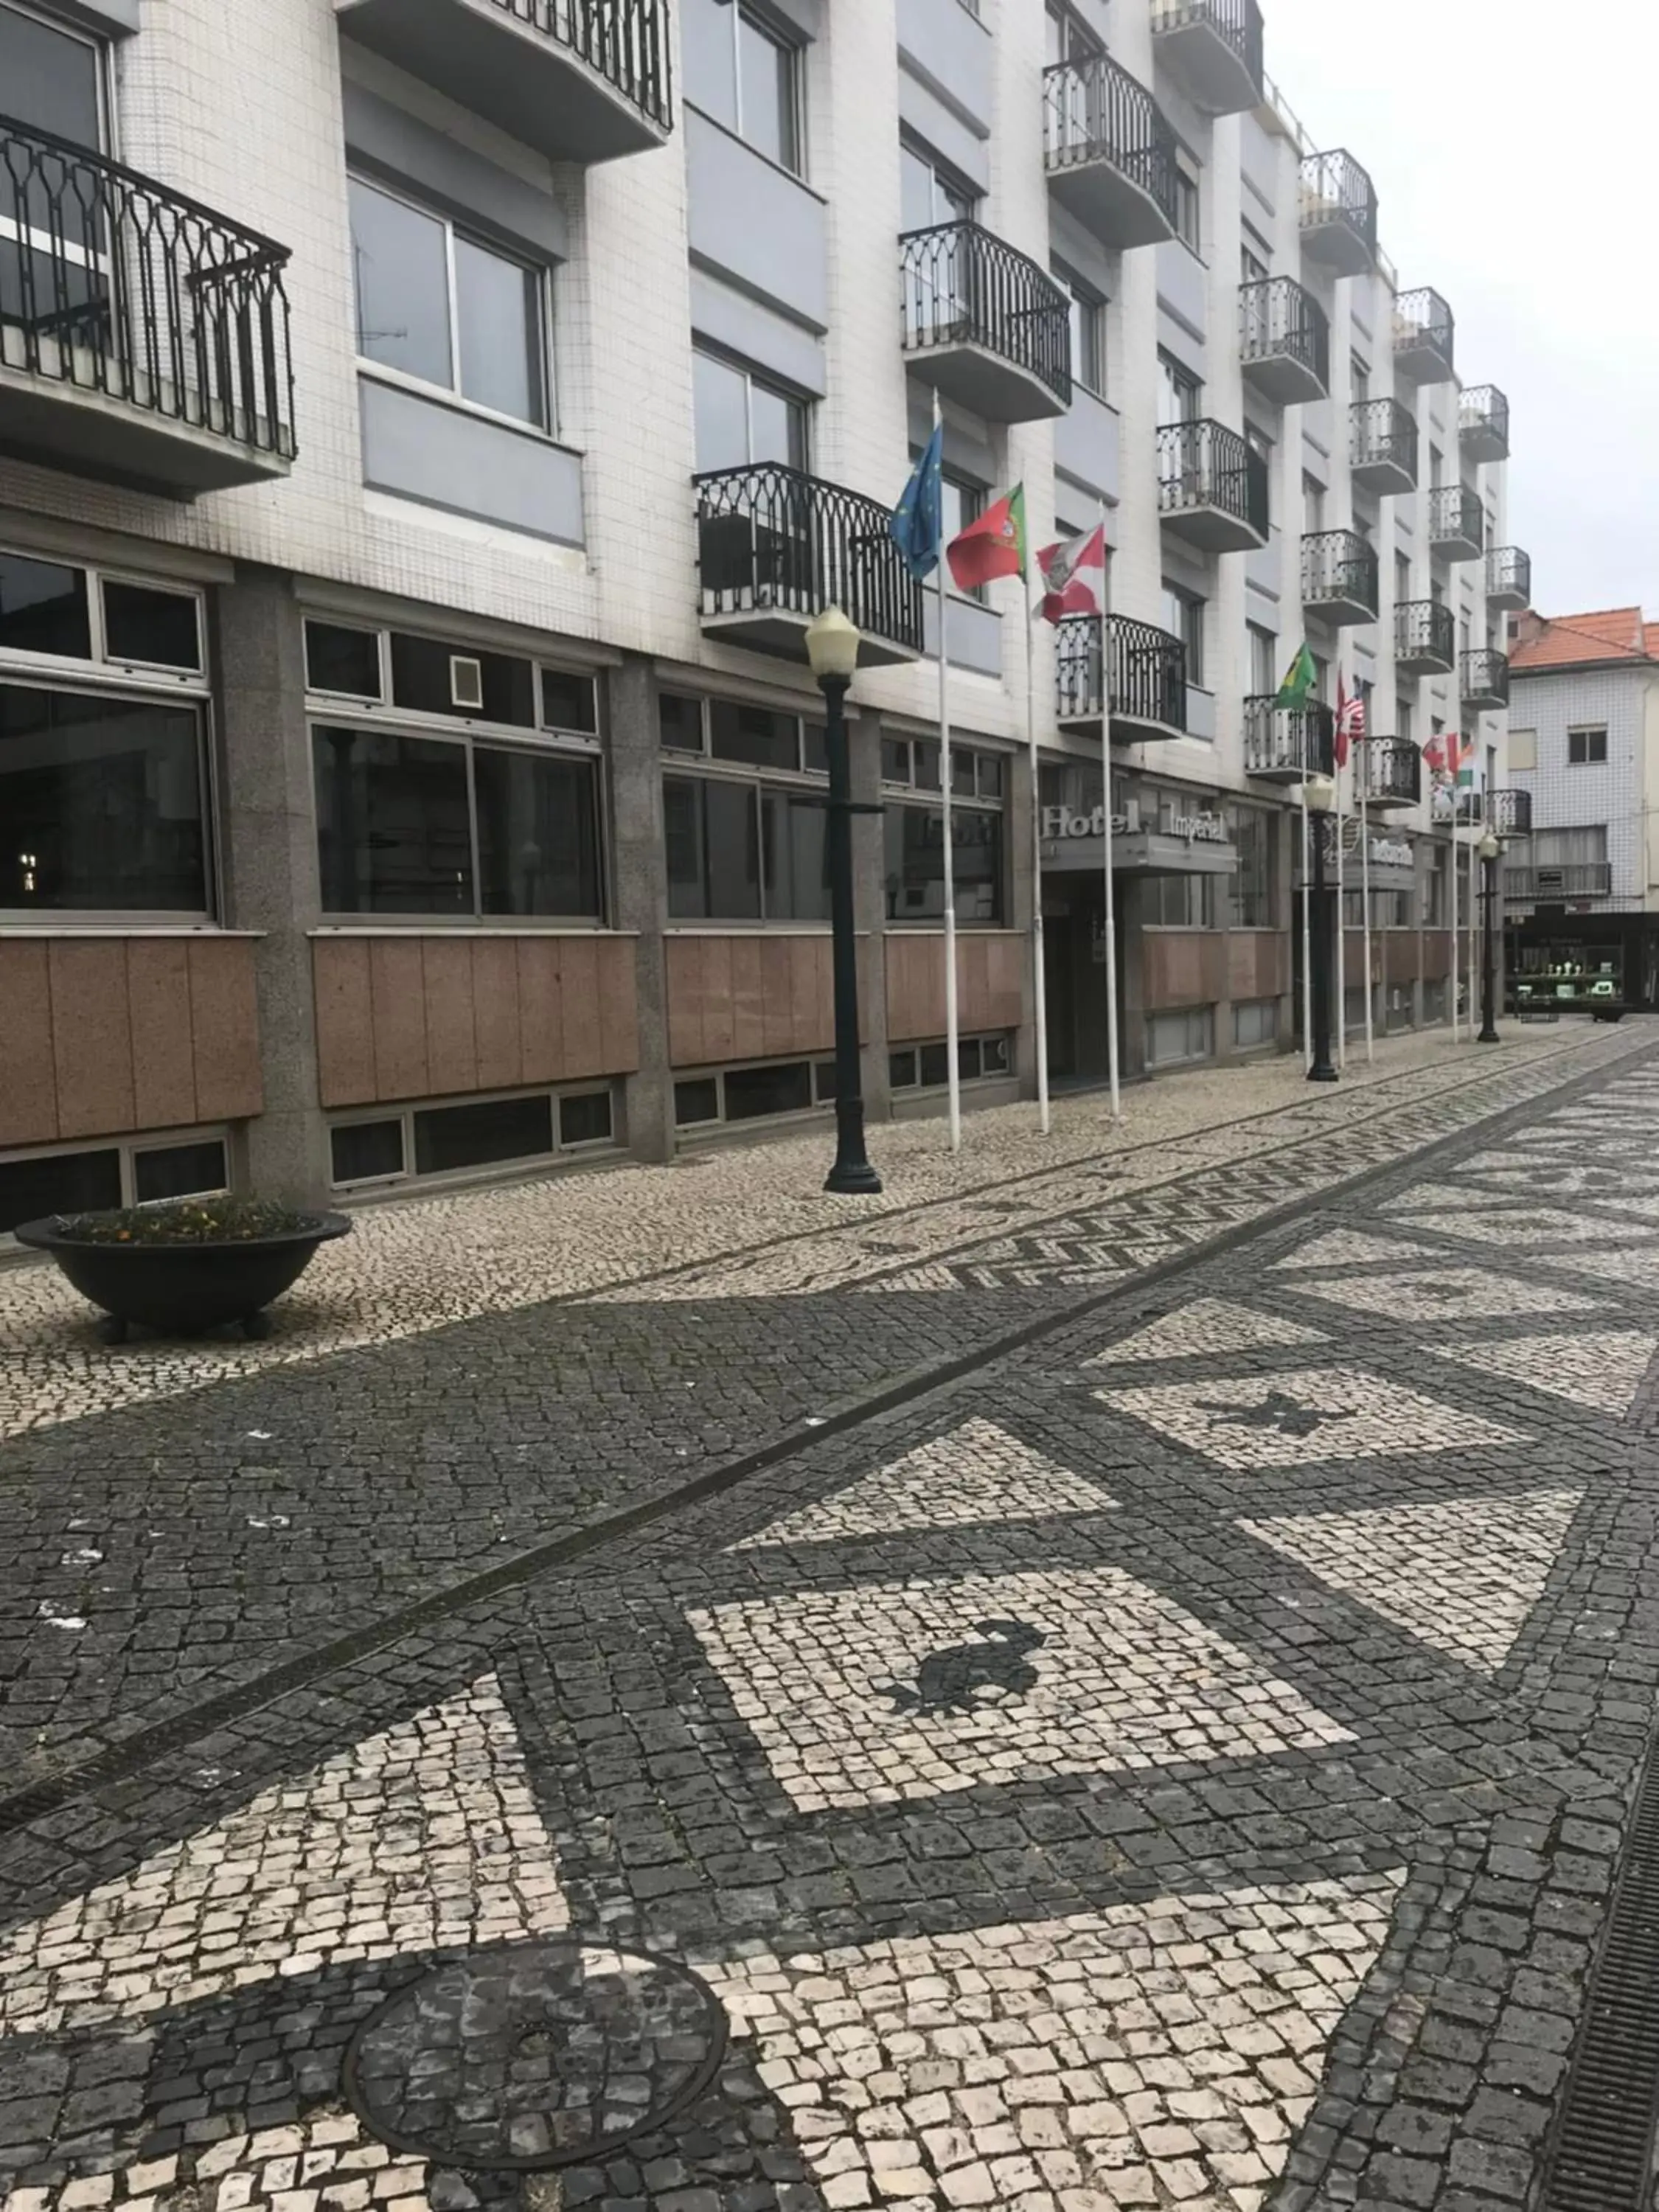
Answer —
1583 891
429 428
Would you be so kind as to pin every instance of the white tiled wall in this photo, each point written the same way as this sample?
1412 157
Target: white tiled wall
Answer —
1568 798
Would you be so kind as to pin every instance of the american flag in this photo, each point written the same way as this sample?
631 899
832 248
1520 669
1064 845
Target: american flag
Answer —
1350 720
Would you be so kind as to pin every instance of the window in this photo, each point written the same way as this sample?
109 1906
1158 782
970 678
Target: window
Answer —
961 501
1187 218
741 68
732 730
53 77
926 1066
1087 312
1181 394
1359 379
1255 1022
1259 443
51 612
1402 579
753 1093
1568 848
741 418
476 1132
33 1184
1587 748
1251 889
1253 259
101 800
1066 39
408 826
915 842
1312 502
1436 467
1185 1036
1264 660
930 192
741 852
1179 902
447 310
1183 617
1523 752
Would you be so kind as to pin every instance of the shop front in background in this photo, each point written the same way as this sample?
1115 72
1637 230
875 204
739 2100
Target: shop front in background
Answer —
1175 865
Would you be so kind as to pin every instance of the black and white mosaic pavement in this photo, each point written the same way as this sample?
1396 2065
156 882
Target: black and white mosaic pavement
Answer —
1183 1762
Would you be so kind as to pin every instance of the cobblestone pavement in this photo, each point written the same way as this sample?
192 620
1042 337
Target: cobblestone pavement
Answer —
1181 1759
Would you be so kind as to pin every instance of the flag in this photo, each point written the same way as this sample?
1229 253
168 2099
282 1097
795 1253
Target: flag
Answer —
918 520
1075 574
994 545
1434 755
1301 682
1350 721
1462 758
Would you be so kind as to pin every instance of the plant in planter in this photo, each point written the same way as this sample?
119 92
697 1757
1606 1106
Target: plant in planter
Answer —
186 1267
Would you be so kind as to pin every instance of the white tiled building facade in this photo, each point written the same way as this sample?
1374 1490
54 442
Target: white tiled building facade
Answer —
481 821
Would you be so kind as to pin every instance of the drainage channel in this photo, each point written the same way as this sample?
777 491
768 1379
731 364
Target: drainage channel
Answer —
122 1761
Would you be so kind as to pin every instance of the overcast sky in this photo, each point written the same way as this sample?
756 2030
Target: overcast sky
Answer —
1516 176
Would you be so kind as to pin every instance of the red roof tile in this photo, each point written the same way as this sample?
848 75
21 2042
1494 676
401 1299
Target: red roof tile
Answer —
1569 641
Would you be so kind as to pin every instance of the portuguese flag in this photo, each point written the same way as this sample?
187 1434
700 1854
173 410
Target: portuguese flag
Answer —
994 545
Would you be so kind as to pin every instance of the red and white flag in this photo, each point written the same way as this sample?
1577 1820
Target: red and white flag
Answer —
1350 721
1075 575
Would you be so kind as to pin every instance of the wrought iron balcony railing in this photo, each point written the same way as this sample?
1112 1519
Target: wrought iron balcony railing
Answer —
1093 111
1509 811
1457 519
1388 772
1424 336
624 41
1148 672
1382 444
1483 423
771 538
1424 634
1509 576
1339 571
1484 679
1338 210
1566 880
1207 465
113 283
1237 23
1279 323
962 285
1287 744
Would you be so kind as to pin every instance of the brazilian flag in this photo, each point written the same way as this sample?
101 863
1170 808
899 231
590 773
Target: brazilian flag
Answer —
1301 682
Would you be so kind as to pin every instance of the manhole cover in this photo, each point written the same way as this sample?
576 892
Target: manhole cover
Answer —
534 2055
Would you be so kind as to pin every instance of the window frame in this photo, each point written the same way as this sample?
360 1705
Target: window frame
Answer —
1184 385
1188 176
1193 609
779 35
409 1175
100 49
542 273
753 377
127 1147
1587 732
989 767
1087 314
819 1066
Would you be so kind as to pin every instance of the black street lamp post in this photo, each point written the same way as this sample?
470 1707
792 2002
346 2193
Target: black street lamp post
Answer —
1490 850
1319 793
832 647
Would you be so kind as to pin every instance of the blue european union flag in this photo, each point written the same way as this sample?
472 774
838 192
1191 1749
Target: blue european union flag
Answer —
918 520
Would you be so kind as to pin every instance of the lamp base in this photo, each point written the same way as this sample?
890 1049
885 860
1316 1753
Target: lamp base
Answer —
1322 1075
858 1179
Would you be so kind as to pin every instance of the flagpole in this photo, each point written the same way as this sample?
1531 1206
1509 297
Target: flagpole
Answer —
1106 786
1307 937
1457 964
1365 889
1340 993
947 779
1039 980
1475 902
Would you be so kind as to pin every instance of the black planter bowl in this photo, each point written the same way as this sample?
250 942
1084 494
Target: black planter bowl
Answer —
183 1289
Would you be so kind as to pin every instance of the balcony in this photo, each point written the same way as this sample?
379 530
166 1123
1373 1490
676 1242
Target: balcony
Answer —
1425 638
1483 423
1484 681
143 339
1284 342
1212 49
1283 745
776 547
1148 678
1423 336
1382 445
1387 773
1338 214
574 80
1570 880
1457 523
1110 152
984 324
1212 487
1510 812
1509 578
1339 577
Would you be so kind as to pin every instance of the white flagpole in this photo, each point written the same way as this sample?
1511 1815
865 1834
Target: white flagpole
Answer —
1307 937
1106 776
946 776
1340 992
1365 885
1474 906
1039 981
1457 964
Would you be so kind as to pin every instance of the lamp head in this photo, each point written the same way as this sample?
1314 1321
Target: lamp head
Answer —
832 645
1320 793
1491 847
